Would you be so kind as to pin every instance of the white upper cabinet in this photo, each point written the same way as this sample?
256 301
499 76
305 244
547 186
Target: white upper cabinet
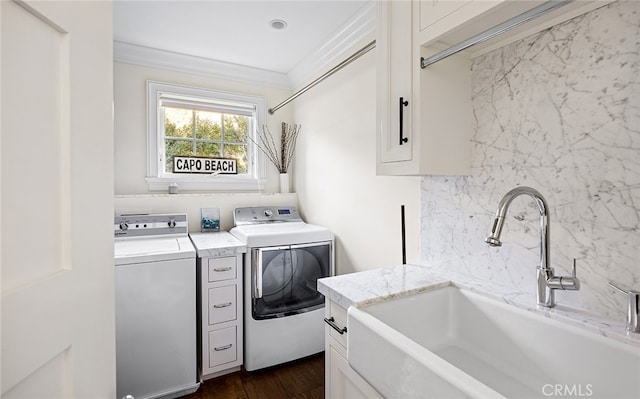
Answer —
431 11
425 116
395 84
451 21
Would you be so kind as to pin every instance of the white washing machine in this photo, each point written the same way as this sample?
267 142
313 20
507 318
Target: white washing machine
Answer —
283 311
155 280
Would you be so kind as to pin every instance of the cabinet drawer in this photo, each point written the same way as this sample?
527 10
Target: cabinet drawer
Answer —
222 346
339 315
222 269
222 304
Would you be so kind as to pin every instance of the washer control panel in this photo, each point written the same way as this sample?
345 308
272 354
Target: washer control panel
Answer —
265 214
143 225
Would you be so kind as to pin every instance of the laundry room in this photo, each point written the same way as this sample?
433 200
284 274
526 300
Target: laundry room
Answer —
335 157
298 189
341 174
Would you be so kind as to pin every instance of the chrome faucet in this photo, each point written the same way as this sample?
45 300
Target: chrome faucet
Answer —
547 282
633 307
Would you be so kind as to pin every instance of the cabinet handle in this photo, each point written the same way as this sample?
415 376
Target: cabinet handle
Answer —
332 322
222 348
222 305
403 103
222 269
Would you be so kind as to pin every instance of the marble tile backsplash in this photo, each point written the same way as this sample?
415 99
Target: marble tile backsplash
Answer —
558 111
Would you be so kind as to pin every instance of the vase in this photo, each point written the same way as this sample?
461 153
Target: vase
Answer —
284 183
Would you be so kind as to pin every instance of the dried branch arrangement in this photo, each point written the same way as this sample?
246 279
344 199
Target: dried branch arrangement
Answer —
288 138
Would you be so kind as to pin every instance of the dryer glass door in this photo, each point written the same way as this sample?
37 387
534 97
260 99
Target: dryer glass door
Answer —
284 279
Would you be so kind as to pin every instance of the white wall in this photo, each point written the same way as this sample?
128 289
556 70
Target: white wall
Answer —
130 113
335 172
558 111
130 102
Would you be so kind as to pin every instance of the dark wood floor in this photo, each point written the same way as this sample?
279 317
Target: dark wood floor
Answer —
300 379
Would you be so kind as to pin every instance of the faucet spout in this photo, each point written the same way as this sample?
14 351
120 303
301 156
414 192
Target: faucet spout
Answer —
496 230
546 281
494 238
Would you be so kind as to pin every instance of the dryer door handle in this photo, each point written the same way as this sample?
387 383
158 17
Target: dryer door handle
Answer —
256 260
256 267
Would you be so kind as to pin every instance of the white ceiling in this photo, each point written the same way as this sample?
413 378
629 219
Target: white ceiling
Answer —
236 32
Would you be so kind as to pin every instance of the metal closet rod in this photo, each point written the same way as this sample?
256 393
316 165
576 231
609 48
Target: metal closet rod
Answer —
509 24
330 72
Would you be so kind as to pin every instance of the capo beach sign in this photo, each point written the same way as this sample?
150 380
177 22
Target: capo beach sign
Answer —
223 166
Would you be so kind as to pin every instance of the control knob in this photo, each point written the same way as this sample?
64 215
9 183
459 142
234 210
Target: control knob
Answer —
123 226
172 223
268 213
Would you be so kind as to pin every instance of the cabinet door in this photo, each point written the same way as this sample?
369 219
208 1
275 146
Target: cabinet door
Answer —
395 104
431 11
345 382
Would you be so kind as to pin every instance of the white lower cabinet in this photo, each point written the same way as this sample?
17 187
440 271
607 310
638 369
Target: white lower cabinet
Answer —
341 381
223 346
221 314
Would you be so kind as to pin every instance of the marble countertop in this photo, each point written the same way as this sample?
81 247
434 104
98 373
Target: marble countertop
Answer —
217 244
373 286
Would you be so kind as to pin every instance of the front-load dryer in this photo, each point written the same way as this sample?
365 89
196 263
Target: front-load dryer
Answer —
283 311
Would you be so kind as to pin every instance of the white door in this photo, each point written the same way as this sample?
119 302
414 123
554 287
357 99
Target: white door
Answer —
56 242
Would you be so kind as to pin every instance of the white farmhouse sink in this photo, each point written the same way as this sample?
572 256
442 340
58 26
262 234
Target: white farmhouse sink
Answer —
454 343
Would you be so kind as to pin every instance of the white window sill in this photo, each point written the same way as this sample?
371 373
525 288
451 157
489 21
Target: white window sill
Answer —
219 183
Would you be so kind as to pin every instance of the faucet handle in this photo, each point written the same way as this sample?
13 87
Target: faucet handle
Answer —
633 307
571 283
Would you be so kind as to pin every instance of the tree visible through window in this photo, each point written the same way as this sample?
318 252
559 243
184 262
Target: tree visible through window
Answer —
192 132
197 122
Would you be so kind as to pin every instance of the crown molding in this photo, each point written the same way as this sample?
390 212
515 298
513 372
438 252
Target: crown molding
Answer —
129 53
340 45
360 28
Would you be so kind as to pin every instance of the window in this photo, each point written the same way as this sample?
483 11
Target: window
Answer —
191 122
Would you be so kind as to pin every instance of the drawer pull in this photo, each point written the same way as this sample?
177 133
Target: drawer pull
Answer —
222 269
332 322
223 348
222 305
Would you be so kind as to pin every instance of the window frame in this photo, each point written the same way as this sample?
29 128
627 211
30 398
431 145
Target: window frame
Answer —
158 180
